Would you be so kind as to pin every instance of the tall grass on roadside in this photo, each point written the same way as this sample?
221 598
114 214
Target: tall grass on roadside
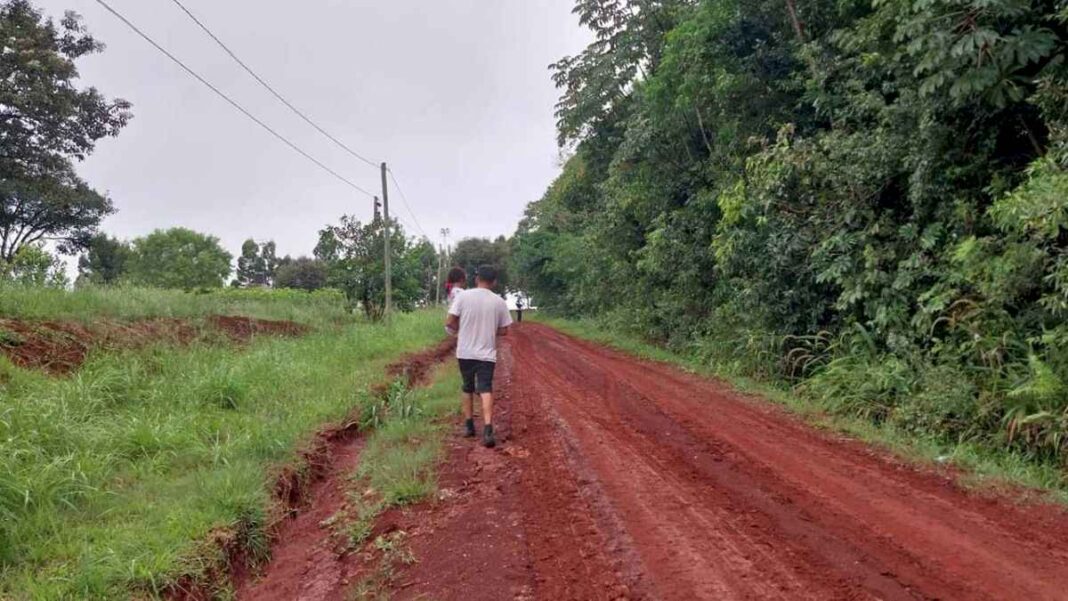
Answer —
128 302
111 478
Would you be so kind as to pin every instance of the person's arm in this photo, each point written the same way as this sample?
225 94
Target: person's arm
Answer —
452 319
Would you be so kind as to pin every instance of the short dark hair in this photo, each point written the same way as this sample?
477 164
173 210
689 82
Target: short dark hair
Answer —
487 273
456 275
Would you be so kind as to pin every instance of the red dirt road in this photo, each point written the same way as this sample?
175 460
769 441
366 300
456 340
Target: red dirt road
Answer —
623 479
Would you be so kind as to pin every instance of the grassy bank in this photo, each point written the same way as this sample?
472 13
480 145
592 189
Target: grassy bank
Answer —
397 468
985 466
111 479
90 303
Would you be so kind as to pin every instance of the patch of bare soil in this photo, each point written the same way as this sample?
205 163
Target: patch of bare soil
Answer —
60 347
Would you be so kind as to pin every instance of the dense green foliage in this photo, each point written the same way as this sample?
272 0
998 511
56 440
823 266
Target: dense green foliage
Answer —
33 266
257 264
178 258
353 254
303 273
104 261
866 198
47 123
472 253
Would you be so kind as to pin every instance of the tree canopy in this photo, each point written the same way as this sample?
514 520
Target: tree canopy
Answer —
105 260
302 273
46 123
354 251
472 253
178 258
857 194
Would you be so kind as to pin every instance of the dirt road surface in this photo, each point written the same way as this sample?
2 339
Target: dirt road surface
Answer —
623 479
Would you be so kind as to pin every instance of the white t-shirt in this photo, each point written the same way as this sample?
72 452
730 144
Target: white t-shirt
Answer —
481 313
453 293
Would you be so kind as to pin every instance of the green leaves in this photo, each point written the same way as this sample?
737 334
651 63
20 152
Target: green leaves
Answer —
179 258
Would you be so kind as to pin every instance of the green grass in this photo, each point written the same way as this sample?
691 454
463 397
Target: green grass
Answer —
397 468
984 467
90 303
112 479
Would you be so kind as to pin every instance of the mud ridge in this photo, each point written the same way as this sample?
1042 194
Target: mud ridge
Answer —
60 347
306 493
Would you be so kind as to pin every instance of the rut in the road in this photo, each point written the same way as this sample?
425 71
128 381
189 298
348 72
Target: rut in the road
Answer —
628 479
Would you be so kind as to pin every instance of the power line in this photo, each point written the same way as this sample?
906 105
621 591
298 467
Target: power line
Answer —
404 201
229 100
269 88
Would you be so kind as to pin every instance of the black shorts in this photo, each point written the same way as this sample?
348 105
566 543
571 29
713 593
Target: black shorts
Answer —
477 375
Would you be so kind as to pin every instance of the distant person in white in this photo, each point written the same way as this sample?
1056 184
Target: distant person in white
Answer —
478 316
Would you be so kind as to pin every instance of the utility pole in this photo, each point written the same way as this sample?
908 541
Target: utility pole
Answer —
437 278
389 266
443 258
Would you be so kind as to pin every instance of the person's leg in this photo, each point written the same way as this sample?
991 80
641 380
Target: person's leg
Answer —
487 407
469 405
467 401
484 387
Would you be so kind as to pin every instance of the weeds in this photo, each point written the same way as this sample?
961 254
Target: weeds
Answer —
397 468
110 479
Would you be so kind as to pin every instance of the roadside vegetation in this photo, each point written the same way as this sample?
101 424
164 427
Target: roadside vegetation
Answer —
397 468
118 479
864 202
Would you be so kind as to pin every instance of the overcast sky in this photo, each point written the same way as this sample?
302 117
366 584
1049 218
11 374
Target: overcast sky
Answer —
455 95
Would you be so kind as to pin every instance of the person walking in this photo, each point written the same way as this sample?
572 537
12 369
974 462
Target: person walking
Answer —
478 317
519 307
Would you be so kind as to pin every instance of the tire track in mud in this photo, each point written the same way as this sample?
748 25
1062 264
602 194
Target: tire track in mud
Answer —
625 479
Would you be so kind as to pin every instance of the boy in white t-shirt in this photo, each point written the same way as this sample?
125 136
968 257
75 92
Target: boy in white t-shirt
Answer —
479 316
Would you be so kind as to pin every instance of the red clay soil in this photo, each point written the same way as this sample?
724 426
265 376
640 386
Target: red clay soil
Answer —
60 347
307 560
624 479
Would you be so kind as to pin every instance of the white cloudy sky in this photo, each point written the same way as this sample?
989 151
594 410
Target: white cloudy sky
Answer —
454 94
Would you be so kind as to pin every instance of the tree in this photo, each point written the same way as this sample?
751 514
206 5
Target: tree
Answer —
353 252
257 264
250 267
46 123
34 266
179 258
303 273
105 261
472 253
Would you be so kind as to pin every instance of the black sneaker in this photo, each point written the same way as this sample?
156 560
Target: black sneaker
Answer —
488 440
469 428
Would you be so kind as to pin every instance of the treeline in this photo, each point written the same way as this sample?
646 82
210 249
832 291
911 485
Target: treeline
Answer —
48 123
867 199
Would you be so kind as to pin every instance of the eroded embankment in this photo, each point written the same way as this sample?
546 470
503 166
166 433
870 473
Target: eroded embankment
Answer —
307 560
60 347
624 479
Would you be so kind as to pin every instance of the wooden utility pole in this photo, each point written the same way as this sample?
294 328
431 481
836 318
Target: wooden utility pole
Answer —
437 276
389 266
